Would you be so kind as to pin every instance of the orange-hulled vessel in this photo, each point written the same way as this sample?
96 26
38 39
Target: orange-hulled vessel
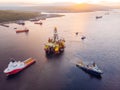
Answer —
20 31
16 66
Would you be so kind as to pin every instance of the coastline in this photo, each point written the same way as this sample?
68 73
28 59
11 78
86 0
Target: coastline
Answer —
25 18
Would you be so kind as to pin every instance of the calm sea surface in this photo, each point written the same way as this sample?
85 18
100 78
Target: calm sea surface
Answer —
102 45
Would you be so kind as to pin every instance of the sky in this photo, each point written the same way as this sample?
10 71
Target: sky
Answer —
54 1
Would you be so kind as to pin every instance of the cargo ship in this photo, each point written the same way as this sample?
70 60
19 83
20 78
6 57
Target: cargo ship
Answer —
21 31
40 23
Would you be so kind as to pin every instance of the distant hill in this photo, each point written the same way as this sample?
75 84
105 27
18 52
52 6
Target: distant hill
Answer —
65 7
84 7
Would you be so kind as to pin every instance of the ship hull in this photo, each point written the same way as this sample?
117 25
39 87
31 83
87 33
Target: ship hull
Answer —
27 63
89 70
20 31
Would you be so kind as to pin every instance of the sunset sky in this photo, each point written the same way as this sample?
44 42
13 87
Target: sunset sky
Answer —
52 1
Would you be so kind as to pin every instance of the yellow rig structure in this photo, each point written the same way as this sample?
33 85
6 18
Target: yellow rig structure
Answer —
55 45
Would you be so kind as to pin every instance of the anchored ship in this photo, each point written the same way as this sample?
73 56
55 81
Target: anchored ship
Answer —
15 67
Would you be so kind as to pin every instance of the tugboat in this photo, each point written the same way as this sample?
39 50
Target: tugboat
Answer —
54 45
83 37
92 69
15 67
98 17
76 33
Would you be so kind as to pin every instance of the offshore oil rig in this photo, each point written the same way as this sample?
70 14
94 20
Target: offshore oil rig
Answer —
54 45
